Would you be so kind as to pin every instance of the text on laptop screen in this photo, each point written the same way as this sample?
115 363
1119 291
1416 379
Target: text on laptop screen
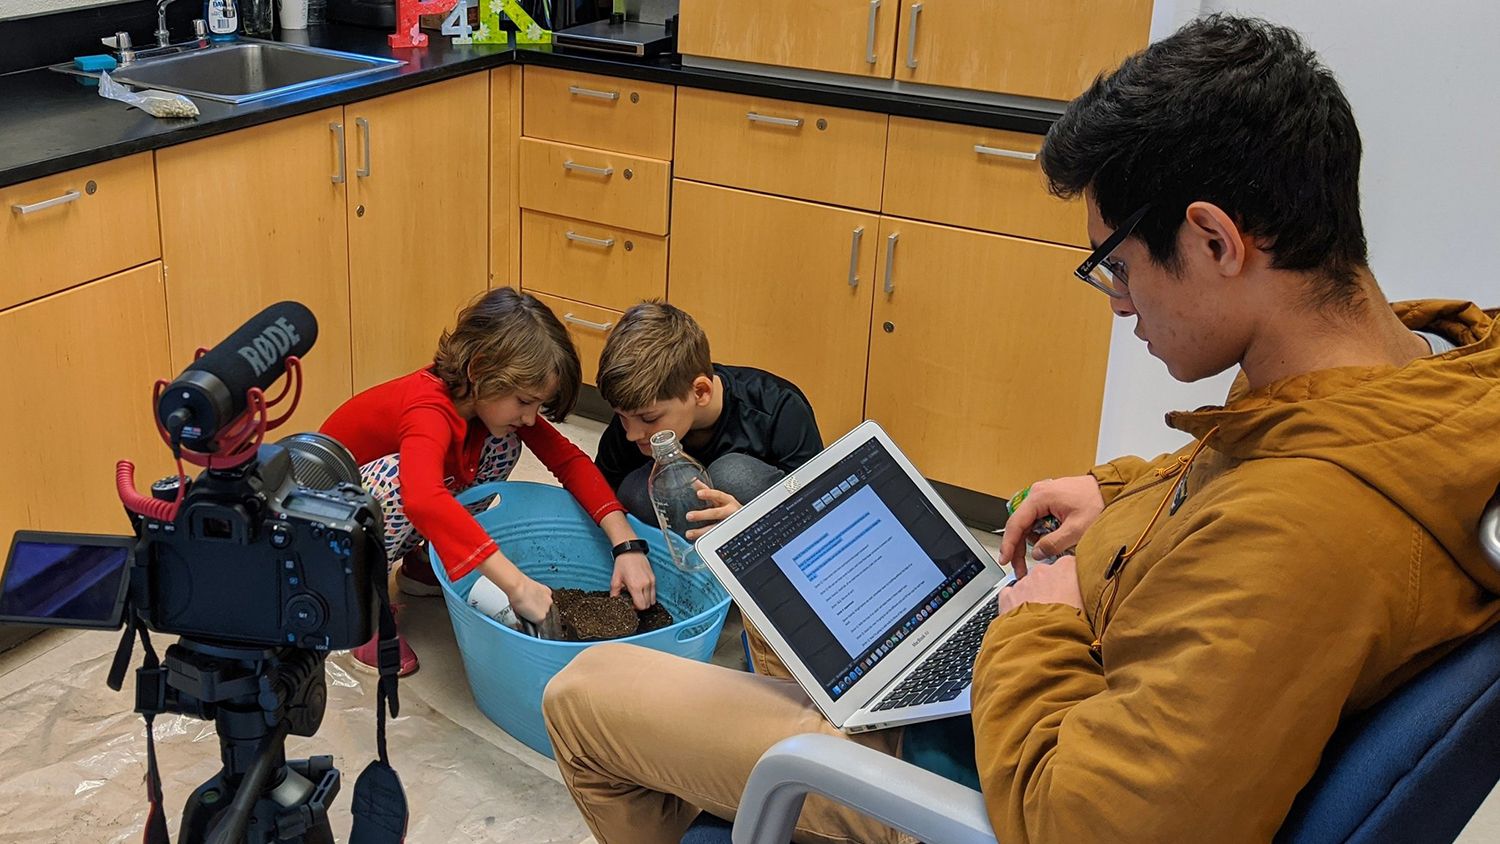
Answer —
850 565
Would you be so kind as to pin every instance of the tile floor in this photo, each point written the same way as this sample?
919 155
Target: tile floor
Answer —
67 741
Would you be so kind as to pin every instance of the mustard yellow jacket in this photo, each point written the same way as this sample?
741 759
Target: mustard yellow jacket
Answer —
1325 552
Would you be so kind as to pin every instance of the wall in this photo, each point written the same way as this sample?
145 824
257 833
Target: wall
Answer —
26 8
1420 77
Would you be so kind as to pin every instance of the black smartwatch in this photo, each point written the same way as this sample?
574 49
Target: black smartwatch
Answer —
631 546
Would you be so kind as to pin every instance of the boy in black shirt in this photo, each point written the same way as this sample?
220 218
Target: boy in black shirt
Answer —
746 426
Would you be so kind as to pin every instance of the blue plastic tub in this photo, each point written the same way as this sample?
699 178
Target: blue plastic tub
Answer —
544 531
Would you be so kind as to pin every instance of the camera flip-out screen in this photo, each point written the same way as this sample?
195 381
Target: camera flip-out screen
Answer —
65 579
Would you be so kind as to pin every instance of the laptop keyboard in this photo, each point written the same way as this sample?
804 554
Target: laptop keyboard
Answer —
949 670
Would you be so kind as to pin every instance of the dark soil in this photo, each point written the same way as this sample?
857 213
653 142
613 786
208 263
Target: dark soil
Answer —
594 616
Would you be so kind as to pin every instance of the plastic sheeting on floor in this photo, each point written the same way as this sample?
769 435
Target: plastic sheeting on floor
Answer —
73 759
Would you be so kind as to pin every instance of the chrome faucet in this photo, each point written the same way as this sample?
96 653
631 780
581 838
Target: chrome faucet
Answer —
163 37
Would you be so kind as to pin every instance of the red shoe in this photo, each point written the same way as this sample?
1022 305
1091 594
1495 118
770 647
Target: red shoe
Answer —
367 657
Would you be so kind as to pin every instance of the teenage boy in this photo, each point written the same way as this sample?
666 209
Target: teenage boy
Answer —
745 425
1178 678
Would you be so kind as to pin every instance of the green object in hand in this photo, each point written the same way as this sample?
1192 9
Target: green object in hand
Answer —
1042 526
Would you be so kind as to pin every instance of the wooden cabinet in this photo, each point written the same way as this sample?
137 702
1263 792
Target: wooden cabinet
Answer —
832 155
603 112
780 284
588 325
251 218
978 178
987 357
588 262
594 184
1051 50
505 164
78 385
418 216
66 229
839 36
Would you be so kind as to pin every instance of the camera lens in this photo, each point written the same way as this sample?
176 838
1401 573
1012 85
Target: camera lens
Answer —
320 461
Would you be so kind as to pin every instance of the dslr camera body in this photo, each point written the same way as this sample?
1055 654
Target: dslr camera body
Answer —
257 556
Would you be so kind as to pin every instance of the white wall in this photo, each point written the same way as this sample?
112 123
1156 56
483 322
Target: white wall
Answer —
27 8
1421 78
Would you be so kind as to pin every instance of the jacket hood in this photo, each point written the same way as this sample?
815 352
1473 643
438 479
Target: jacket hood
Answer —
1427 434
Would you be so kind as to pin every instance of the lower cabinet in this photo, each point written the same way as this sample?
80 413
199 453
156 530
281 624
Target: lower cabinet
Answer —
781 284
987 356
78 398
253 217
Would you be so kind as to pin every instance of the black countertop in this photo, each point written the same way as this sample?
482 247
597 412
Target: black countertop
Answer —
50 122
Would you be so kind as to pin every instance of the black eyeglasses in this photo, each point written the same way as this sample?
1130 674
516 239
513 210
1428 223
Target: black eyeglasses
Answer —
1104 275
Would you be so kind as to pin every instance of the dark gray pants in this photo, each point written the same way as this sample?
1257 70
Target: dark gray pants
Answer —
740 475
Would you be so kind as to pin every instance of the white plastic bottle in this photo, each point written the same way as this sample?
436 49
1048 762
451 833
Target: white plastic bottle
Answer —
673 486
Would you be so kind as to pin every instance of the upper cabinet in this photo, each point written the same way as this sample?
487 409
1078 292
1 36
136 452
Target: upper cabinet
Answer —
838 36
1050 50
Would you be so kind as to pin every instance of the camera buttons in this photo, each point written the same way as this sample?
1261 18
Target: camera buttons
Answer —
280 537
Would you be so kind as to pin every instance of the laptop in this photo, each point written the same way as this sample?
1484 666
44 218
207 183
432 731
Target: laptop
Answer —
864 583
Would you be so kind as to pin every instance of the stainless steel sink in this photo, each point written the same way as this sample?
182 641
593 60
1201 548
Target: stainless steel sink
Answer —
246 70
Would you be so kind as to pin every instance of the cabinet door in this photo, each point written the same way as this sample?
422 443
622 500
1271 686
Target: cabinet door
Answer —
986 356
1051 50
251 218
780 284
78 397
839 36
418 220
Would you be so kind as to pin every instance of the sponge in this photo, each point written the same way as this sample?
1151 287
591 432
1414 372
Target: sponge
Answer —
95 63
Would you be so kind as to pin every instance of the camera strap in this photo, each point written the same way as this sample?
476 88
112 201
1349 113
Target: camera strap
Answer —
380 812
150 699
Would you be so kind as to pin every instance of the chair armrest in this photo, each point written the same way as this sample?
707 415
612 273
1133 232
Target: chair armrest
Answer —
883 787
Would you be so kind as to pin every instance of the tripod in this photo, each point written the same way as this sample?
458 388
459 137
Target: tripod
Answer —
256 697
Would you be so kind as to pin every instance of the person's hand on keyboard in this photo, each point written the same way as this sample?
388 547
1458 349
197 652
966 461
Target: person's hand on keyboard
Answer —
1054 584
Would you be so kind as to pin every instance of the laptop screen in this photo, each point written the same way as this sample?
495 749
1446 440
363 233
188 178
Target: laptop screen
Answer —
851 564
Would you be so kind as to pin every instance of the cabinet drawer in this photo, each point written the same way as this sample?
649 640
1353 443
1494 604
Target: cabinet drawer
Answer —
978 178
598 111
66 229
588 262
591 184
589 326
805 151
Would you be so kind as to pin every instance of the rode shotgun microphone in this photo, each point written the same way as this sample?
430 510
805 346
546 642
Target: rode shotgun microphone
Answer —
212 392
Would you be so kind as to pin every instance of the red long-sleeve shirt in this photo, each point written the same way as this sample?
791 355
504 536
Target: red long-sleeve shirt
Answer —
413 416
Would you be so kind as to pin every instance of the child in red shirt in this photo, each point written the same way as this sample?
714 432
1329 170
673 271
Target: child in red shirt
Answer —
422 438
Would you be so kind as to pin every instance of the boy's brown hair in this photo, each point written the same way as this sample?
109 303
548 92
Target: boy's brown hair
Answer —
506 341
655 353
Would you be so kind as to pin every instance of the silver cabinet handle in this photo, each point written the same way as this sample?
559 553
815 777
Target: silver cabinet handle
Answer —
911 37
365 125
794 122
597 326
338 133
584 168
890 262
870 38
580 91
605 242
70 196
1004 153
859 234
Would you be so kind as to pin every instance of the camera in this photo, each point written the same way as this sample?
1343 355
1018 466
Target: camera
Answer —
267 560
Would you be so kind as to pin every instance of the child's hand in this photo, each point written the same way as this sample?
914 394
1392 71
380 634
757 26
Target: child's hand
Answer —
633 573
530 600
721 505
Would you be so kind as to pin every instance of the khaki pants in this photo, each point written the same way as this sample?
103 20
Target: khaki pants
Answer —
645 740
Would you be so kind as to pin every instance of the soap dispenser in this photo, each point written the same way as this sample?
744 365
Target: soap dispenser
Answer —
223 19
